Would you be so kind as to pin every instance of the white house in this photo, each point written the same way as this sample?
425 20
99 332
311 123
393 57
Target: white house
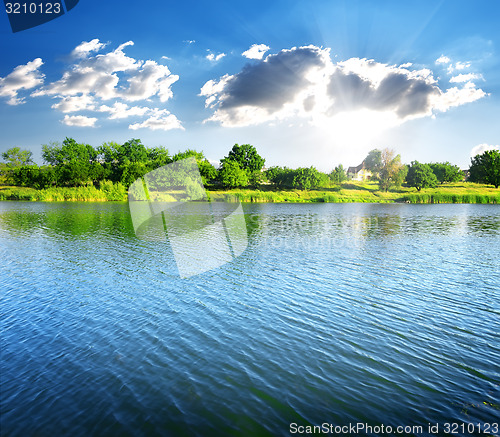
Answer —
359 173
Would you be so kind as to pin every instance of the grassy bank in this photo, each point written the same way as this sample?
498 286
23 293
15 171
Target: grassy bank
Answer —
360 192
109 192
366 192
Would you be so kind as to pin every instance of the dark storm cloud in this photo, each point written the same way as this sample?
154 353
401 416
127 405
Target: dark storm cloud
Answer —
399 92
304 82
349 91
272 83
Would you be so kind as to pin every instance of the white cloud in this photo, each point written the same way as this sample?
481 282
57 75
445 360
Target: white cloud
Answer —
257 51
461 78
75 103
481 148
87 47
458 66
122 110
462 65
22 77
94 75
214 58
160 120
213 88
458 96
189 41
79 120
150 80
304 83
267 90
443 60
95 78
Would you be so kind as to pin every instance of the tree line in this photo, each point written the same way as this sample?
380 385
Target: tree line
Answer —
70 164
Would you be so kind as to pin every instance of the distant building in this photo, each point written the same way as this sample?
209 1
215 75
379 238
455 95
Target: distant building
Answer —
359 173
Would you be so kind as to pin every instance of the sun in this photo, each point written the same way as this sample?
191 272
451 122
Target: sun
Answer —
357 129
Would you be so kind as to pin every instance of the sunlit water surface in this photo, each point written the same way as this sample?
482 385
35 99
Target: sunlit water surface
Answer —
338 314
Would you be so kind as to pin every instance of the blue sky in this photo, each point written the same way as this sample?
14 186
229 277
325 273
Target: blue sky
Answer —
306 82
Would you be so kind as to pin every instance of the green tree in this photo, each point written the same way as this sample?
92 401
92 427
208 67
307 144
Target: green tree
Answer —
207 171
133 151
34 176
108 155
485 168
124 162
386 167
307 178
421 176
232 175
17 157
446 172
373 161
279 176
246 156
302 178
73 161
132 171
4 174
255 178
338 175
188 154
26 175
158 156
14 157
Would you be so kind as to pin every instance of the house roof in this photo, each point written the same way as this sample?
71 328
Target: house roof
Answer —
357 168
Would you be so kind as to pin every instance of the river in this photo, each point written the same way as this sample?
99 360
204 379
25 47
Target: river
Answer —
334 315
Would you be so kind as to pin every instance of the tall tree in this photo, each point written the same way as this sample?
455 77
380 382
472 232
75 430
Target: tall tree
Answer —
158 156
338 175
187 154
207 171
246 156
485 168
133 151
386 167
75 162
421 176
373 161
232 175
17 157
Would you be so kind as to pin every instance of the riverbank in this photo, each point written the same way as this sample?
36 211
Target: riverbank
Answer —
348 192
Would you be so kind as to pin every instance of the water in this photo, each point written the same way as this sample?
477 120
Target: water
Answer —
336 314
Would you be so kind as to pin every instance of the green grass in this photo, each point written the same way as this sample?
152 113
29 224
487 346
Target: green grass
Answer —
109 192
352 191
366 192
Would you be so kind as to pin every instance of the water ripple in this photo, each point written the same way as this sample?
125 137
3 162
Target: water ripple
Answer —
334 313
